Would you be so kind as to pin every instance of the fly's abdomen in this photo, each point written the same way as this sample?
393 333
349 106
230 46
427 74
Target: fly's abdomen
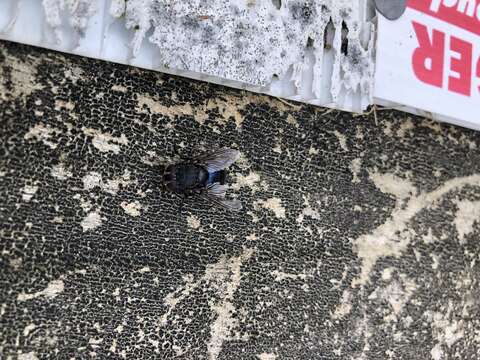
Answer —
217 177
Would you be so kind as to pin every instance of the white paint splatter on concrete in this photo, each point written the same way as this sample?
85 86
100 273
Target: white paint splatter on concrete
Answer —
393 236
16 263
267 356
223 326
393 185
27 356
307 211
281 276
342 139
344 307
224 278
466 217
429 238
59 172
274 204
94 179
28 192
117 87
144 270
132 209
93 341
252 237
119 329
62 104
91 221
249 181
405 126
193 222
54 288
313 151
113 347
396 293
447 329
387 273
105 142
43 133
28 329
437 352
355 167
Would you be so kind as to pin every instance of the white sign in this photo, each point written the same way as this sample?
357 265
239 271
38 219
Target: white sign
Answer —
429 59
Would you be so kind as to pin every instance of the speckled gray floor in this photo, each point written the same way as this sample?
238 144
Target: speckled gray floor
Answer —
357 240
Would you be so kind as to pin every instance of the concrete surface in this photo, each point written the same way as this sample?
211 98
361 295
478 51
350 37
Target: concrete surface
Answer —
358 240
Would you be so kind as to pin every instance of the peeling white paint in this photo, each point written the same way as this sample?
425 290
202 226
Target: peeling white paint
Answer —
245 44
54 288
79 12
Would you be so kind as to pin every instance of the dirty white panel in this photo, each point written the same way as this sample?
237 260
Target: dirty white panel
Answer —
319 52
421 68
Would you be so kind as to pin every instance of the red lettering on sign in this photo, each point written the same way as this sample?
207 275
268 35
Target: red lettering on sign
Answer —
478 72
461 65
431 51
462 13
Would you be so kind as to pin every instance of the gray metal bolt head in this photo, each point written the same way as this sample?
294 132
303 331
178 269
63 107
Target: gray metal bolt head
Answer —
391 9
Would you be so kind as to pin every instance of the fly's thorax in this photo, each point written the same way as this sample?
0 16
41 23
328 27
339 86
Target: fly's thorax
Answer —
185 177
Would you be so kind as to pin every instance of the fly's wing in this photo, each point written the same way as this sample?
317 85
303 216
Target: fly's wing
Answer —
219 159
216 192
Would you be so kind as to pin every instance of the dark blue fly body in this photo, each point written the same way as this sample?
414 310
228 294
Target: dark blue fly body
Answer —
204 175
217 177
